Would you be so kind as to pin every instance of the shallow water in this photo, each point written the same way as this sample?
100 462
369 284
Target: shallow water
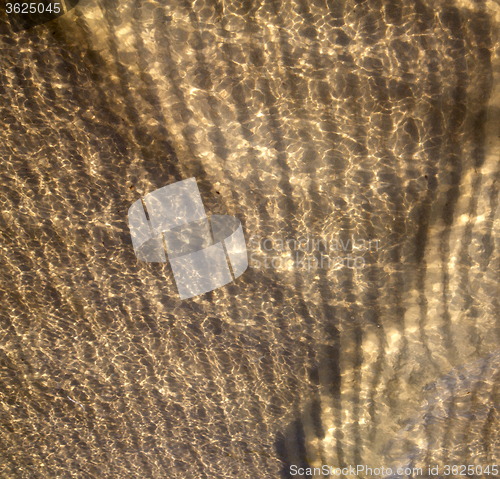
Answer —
326 124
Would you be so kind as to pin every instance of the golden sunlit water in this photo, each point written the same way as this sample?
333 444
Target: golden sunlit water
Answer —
358 144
